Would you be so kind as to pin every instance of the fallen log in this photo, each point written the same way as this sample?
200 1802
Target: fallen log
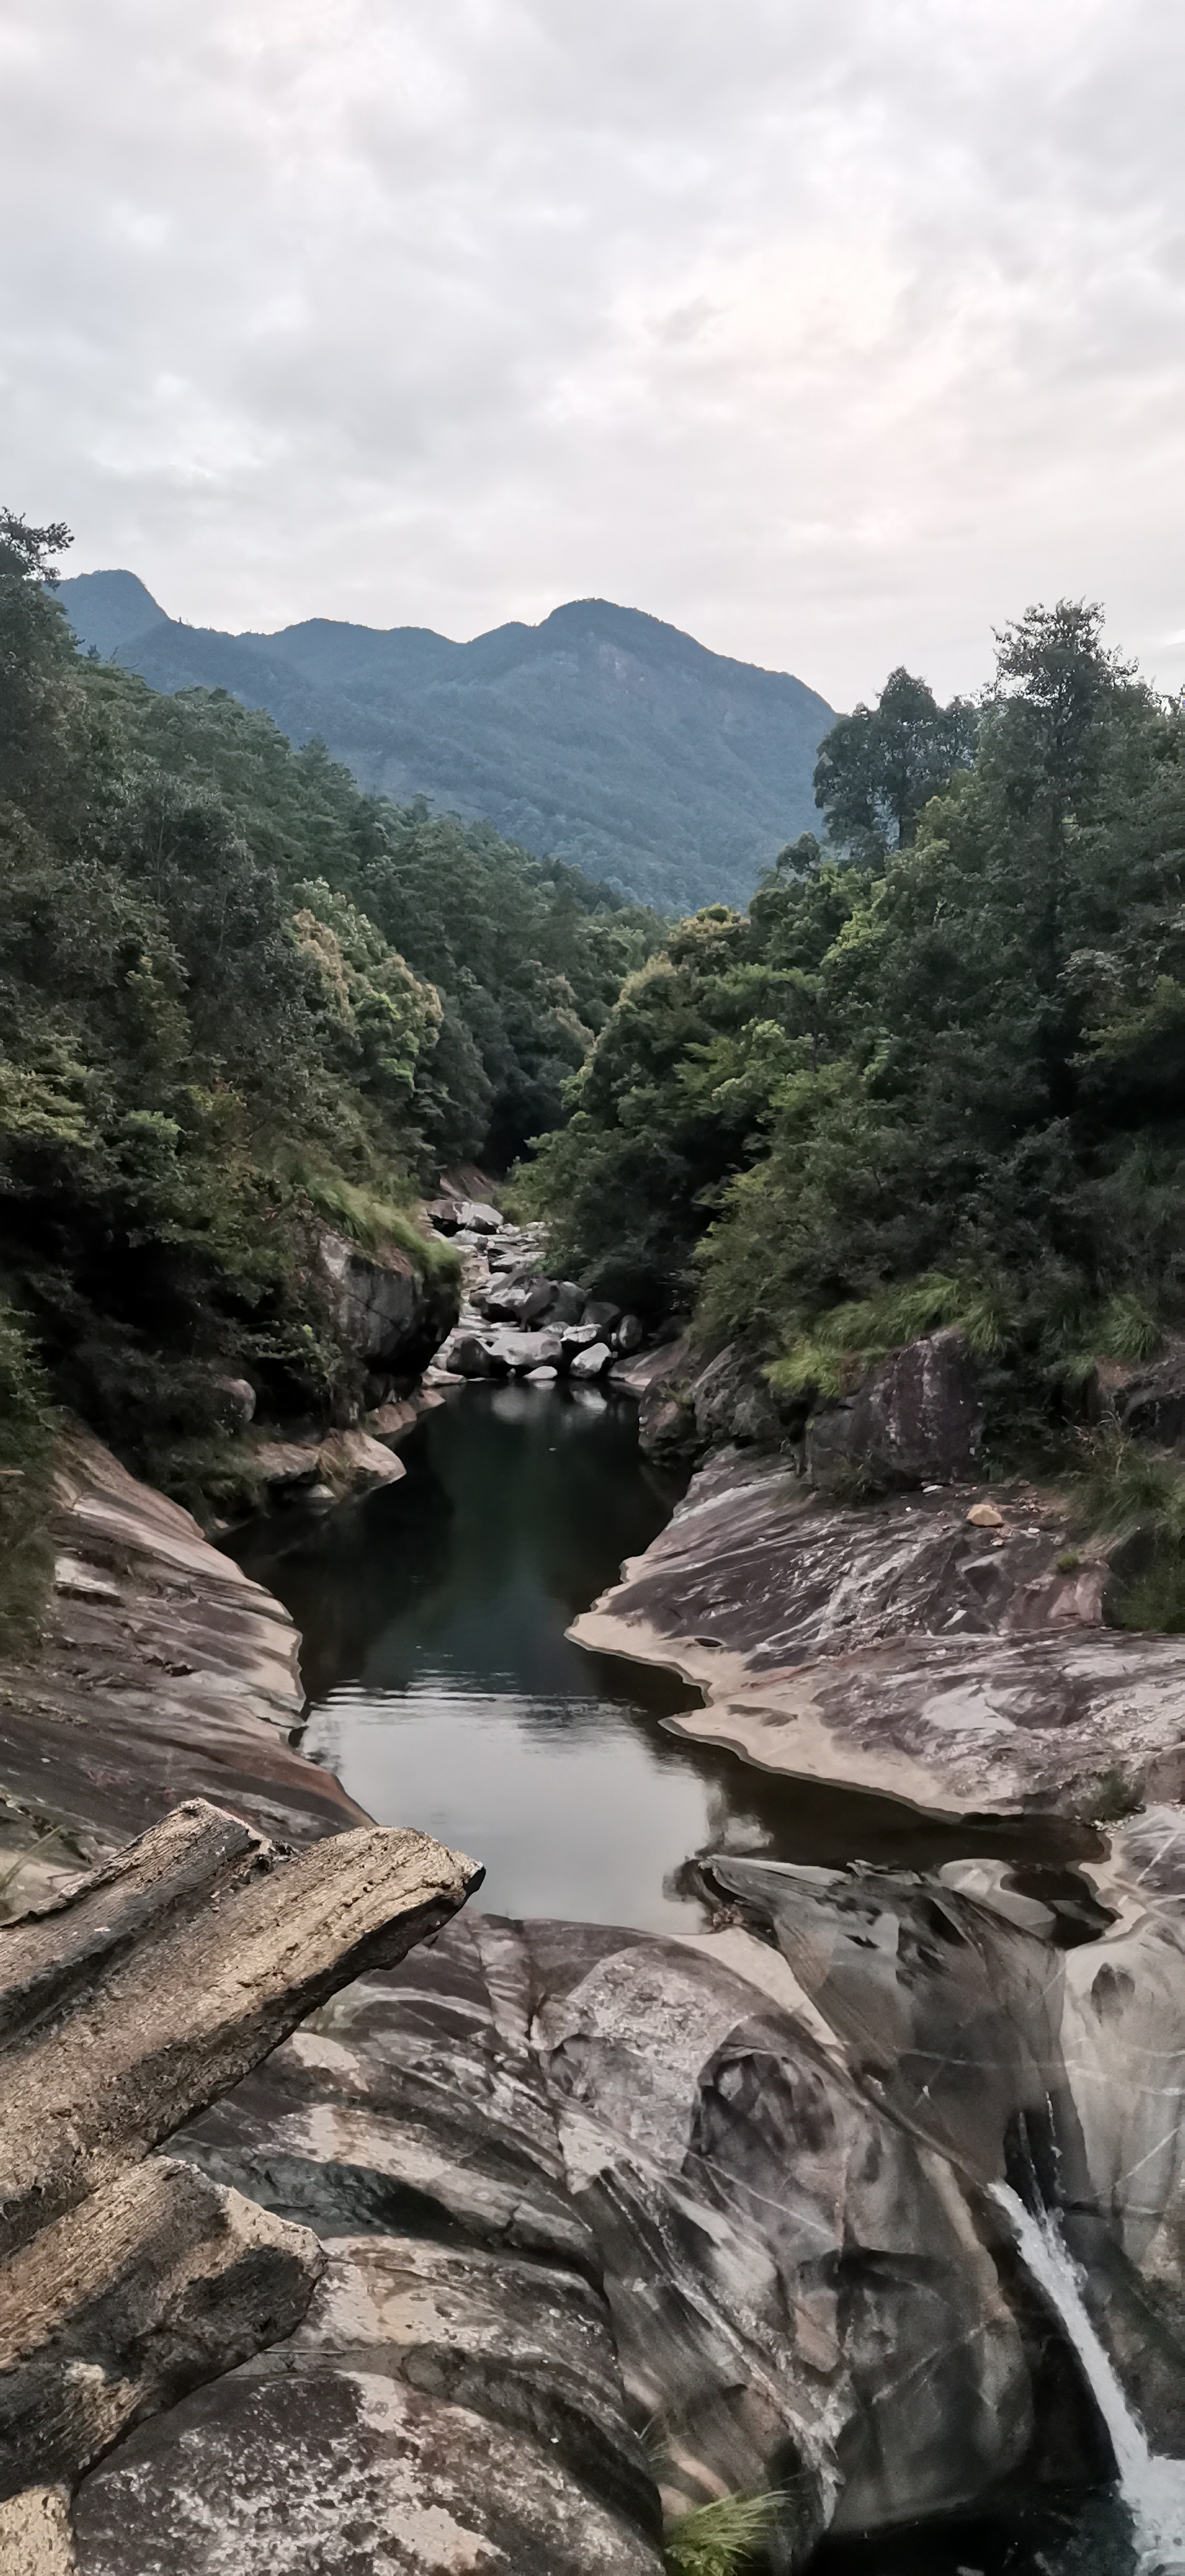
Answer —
150 2287
152 1987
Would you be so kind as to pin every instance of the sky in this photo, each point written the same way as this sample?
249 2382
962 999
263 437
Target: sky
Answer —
834 331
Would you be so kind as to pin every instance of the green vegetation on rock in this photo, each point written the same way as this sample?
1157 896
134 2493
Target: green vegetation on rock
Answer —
720 2539
602 735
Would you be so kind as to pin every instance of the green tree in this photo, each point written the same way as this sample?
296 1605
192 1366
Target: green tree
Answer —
878 767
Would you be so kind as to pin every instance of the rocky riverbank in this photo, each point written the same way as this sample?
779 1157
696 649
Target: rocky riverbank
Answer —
946 1648
573 2185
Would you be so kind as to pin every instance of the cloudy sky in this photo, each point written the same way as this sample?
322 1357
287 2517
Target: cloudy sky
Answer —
835 331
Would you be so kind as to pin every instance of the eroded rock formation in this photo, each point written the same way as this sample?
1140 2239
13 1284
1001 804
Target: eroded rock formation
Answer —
902 1648
161 1672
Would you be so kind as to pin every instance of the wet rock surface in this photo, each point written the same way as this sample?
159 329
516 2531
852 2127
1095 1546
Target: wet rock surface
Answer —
900 1647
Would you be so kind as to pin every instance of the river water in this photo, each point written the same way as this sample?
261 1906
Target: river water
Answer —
444 1692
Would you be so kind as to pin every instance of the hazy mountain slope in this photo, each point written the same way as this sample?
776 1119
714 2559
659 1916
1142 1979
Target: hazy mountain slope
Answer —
601 735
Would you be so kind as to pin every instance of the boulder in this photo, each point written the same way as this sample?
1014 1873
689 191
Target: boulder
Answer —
391 1420
352 1463
539 1301
463 1216
916 1420
627 1336
578 1338
569 1303
1151 1404
590 1363
286 1467
601 1313
517 1353
730 1401
542 1376
236 1400
387 1311
471 1355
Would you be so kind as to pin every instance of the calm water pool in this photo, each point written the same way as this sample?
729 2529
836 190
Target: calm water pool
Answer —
444 1692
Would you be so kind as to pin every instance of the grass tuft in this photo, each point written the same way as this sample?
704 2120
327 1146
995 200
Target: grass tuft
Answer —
372 1220
829 1355
720 2539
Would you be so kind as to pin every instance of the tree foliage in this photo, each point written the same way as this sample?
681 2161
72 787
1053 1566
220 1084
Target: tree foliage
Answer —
947 1081
234 991
879 767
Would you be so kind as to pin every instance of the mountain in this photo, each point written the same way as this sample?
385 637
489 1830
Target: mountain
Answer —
602 735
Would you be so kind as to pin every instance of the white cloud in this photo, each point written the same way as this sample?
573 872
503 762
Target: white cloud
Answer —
835 330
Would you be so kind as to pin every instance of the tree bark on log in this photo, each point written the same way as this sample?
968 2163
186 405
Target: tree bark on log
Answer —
148 2288
154 1987
127 2003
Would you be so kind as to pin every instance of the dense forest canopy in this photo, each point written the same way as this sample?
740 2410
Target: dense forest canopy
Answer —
937 1076
235 991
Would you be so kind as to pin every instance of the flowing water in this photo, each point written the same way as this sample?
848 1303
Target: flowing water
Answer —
1151 2490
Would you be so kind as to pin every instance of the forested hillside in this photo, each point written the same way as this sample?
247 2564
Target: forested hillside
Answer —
937 1071
601 735
237 997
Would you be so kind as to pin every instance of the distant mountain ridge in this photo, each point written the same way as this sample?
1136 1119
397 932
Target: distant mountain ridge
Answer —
601 735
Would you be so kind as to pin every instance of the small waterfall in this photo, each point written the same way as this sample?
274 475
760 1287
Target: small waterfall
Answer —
1151 2489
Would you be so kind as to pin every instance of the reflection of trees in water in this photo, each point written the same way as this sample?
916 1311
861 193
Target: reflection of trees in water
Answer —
343 1574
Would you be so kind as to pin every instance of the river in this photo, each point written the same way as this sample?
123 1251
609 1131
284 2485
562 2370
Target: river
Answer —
444 1693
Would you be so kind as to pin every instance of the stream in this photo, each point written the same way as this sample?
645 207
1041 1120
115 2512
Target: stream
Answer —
444 1692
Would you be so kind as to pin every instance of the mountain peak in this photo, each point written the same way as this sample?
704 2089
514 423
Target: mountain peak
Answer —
602 735
108 609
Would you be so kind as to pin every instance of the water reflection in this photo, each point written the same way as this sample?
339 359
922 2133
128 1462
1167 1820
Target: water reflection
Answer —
444 1692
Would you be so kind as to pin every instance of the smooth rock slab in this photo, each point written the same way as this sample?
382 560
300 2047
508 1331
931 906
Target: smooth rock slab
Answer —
341 2471
161 1672
409 2125
899 1649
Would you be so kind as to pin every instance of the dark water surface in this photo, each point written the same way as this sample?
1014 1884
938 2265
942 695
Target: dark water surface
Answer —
444 1693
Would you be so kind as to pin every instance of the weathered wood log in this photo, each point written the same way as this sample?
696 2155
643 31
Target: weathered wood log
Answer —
179 1971
35 2534
153 1886
146 2290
